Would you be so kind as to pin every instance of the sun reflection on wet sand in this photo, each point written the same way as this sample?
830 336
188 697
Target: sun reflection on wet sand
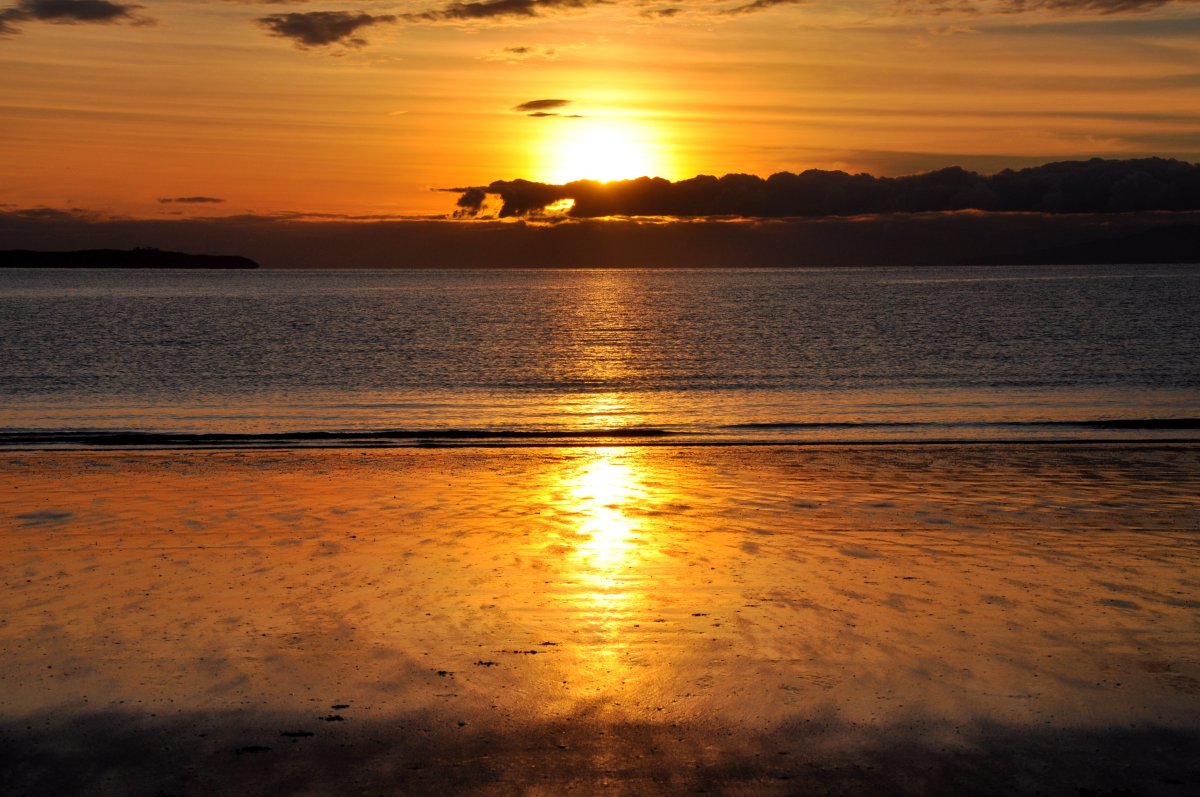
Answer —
602 490
613 600
606 575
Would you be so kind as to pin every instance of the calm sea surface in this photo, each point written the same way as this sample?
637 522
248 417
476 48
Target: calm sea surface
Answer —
400 357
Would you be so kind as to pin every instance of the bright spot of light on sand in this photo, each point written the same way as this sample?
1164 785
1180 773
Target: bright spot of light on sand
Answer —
601 492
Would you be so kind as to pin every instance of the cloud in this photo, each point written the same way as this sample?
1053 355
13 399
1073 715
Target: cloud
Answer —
1102 7
189 200
1093 6
542 108
524 53
662 13
322 28
540 105
499 9
758 5
714 10
55 215
1093 186
68 12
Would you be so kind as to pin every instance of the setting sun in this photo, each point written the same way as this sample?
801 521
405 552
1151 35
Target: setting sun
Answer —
601 150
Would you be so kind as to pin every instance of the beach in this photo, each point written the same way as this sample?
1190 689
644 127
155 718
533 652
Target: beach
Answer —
630 619
477 398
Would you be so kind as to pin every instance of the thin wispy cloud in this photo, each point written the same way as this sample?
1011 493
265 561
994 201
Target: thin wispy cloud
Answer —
978 7
1092 6
524 53
662 13
500 9
189 200
758 5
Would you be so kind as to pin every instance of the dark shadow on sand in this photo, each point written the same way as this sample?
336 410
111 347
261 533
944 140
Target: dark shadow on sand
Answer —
127 753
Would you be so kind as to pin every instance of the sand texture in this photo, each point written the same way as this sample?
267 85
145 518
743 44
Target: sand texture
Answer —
978 619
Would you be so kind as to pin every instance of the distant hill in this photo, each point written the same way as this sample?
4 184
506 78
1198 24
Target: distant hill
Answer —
120 258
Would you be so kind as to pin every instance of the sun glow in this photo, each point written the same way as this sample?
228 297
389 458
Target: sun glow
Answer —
602 150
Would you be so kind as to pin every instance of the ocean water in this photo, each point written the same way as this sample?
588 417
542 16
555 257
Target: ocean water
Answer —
520 357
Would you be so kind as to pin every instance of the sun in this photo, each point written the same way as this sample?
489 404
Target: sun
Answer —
589 149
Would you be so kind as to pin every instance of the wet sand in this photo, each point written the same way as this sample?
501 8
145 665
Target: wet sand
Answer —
981 619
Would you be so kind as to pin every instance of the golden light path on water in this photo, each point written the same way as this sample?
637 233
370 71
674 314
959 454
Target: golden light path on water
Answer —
605 497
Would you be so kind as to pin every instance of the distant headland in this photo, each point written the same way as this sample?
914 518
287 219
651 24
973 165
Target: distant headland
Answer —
120 258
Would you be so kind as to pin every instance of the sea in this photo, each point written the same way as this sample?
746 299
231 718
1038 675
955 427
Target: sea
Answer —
284 358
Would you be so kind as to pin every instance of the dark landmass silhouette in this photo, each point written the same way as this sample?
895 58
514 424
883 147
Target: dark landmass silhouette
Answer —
1091 186
120 258
1175 244
933 238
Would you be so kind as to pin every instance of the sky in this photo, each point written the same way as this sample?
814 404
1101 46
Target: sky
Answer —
327 109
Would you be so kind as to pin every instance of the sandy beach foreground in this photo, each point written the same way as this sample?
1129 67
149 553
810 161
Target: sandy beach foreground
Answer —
981 619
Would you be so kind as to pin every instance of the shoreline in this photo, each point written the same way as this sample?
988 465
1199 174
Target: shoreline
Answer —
568 442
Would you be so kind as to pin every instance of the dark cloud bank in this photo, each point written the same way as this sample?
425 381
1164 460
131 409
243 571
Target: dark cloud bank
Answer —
1094 186
1059 213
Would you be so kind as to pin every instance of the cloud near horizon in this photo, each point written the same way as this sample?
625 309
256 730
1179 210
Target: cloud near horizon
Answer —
189 200
69 12
1093 186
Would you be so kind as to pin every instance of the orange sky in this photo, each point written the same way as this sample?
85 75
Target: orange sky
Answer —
364 107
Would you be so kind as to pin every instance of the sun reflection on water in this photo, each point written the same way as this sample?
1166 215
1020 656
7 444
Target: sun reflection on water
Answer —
610 549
